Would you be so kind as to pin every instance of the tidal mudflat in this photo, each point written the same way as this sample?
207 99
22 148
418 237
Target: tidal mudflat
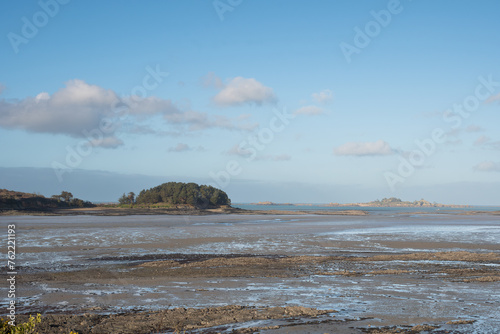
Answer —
384 273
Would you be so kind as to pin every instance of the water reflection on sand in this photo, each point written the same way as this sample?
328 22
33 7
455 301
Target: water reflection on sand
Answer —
64 244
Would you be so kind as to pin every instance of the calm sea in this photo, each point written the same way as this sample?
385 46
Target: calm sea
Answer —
372 210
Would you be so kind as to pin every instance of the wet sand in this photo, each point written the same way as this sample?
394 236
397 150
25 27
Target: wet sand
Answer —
180 210
260 273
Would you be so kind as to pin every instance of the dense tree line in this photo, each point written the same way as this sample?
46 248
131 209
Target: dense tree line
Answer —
180 193
66 199
16 200
127 199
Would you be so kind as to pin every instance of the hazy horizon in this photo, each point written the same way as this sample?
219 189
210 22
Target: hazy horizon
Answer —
102 186
283 101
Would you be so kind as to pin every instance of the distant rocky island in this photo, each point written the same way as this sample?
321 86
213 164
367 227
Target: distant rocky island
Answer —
272 203
385 202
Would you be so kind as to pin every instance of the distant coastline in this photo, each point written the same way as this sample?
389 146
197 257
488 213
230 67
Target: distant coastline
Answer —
385 202
18 203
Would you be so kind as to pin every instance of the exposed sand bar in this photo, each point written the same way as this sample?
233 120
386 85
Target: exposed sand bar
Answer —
346 273
188 211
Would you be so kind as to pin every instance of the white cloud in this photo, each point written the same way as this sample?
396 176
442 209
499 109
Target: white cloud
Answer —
70 110
42 97
240 91
323 97
309 110
181 147
211 80
2 88
79 107
487 166
481 140
379 147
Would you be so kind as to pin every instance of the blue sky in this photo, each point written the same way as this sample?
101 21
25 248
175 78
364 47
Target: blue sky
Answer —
185 85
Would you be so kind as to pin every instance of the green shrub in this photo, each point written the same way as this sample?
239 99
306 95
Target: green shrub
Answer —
24 328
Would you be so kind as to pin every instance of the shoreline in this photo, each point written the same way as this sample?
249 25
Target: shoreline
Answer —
106 211
110 211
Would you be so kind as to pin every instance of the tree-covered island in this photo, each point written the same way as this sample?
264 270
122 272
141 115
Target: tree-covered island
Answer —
179 193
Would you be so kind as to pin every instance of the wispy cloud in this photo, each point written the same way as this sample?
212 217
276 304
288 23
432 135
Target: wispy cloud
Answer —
148 106
240 91
140 129
180 147
239 151
481 140
309 110
495 145
107 142
323 97
487 166
379 147
211 80
486 143
474 128
197 121
277 157
457 132
493 98
453 142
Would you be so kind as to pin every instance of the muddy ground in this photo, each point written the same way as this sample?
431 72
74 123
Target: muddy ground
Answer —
459 266
118 211
259 274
